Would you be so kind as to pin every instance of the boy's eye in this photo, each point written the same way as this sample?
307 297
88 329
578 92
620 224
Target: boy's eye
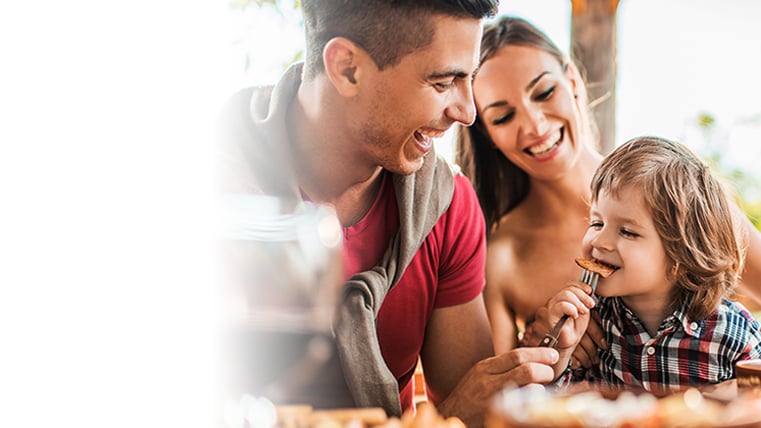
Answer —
628 233
504 119
546 94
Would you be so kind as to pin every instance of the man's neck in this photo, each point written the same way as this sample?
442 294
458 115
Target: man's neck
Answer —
330 167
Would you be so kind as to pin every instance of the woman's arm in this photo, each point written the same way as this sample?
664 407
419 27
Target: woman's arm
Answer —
502 320
499 277
750 281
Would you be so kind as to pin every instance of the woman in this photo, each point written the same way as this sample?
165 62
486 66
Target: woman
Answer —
531 155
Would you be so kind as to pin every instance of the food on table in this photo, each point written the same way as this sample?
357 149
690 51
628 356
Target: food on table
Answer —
748 374
533 406
305 417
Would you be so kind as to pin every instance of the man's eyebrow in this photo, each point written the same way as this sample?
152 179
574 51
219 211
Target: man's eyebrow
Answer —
447 73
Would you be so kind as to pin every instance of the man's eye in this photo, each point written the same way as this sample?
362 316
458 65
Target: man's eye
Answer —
504 119
546 94
444 85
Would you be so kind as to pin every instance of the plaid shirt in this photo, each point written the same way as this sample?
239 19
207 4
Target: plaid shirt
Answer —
682 354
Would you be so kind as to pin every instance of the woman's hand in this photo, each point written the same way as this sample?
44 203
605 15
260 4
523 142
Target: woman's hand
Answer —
585 354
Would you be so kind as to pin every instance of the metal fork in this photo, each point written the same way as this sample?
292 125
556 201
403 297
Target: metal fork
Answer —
550 340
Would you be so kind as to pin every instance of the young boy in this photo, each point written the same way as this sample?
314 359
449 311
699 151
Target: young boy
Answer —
662 221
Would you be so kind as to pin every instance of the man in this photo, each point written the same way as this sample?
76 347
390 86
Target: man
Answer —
353 127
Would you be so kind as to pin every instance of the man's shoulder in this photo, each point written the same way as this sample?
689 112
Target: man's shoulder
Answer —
252 100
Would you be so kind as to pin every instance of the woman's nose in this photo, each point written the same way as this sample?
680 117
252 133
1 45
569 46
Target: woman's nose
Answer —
534 121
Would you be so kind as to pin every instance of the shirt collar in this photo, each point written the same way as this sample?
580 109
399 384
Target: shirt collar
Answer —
691 327
678 318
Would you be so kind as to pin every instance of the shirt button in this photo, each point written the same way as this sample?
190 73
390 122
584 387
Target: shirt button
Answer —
693 326
650 350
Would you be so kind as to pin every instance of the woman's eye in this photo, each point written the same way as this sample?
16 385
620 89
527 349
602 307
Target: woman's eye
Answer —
628 233
595 225
546 94
504 119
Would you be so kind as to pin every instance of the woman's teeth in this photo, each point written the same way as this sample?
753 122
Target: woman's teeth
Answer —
548 145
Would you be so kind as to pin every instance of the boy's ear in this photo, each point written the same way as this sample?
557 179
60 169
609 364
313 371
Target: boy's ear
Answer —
343 64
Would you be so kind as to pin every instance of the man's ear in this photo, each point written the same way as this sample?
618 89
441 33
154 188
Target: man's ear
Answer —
342 60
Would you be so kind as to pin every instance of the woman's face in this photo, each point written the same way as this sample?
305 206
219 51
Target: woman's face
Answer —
526 101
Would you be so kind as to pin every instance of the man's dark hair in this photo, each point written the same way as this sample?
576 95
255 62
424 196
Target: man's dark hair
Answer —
386 29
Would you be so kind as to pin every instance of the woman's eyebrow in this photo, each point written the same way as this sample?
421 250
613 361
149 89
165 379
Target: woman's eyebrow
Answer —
534 81
530 85
500 103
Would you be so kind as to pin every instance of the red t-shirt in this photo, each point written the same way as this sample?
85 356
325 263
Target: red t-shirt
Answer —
447 270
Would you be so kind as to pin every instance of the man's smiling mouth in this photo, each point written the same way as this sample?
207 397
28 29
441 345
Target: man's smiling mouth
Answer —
425 137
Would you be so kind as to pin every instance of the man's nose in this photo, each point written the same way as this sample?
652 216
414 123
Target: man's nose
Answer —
463 108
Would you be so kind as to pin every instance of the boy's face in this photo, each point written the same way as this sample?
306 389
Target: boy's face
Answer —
622 233
402 108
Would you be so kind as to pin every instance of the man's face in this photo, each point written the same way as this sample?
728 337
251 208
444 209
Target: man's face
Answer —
404 107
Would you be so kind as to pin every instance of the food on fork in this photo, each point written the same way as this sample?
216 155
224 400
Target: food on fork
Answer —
603 269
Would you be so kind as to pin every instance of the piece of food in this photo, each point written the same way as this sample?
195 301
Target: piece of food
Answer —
603 270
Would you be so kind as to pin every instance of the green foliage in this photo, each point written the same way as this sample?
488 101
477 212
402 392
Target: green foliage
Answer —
706 121
745 186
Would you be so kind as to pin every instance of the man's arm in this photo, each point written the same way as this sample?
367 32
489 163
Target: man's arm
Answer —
457 338
460 379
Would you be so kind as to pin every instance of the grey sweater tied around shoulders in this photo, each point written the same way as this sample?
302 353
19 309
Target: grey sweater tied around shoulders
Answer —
257 158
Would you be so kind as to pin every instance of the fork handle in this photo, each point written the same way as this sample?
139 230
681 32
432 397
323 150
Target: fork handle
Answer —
550 340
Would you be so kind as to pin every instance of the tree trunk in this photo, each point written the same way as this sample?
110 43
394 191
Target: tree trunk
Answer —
593 47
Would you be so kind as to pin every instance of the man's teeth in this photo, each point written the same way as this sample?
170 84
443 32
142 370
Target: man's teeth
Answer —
429 135
547 146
